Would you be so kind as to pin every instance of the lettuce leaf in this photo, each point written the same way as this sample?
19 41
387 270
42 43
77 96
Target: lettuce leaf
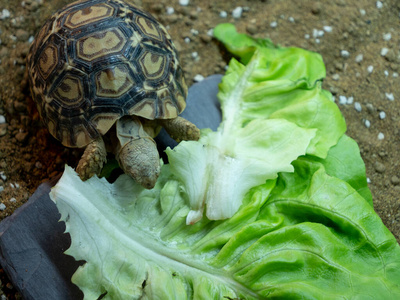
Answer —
304 235
288 211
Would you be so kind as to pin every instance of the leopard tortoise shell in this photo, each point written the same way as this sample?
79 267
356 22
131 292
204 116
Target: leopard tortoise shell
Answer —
96 64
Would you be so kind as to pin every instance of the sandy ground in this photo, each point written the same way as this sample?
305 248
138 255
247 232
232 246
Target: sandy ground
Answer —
358 39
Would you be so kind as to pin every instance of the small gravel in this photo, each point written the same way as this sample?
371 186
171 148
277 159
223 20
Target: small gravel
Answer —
345 53
367 123
237 12
359 58
198 78
184 2
5 13
389 96
370 108
170 10
357 106
223 14
381 136
342 100
370 69
382 115
387 36
395 180
379 167
384 51
2 119
2 206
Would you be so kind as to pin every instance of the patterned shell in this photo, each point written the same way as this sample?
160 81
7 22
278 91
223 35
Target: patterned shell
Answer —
96 61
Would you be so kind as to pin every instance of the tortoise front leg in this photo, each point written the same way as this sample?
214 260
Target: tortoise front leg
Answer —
181 129
92 160
137 152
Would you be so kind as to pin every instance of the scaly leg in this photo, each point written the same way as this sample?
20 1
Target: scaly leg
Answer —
137 152
181 129
92 160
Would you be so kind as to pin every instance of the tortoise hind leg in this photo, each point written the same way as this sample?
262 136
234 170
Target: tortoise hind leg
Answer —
181 129
92 160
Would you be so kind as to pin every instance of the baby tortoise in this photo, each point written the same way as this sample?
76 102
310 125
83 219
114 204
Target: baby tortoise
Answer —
105 75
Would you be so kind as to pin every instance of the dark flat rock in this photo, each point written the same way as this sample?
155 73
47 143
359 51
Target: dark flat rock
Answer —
32 240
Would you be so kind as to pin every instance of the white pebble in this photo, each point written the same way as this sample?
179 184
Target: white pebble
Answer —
336 77
237 12
194 31
368 180
357 106
223 14
367 123
395 75
184 2
210 32
2 119
359 58
198 78
187 40
5 13
381 136
350 100
389 96
318 33
291 19
387 36
12 185
345 53
3 176
382 115
170 10
384 51
328 28
362 12
342 100
306 36
195 55
370 69
317 41
13 200
379 4
2 206
31 39
1 188
386 72
273 24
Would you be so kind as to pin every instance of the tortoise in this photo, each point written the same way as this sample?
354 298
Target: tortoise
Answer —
105 75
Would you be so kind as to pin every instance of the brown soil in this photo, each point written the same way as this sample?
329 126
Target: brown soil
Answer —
29 155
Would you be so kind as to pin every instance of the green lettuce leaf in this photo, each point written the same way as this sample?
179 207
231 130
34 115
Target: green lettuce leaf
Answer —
226 166
304 235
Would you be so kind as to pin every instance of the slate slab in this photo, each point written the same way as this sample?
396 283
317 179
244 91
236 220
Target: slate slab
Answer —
32 240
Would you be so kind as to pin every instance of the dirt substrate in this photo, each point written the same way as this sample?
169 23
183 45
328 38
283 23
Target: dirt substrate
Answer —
358 39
